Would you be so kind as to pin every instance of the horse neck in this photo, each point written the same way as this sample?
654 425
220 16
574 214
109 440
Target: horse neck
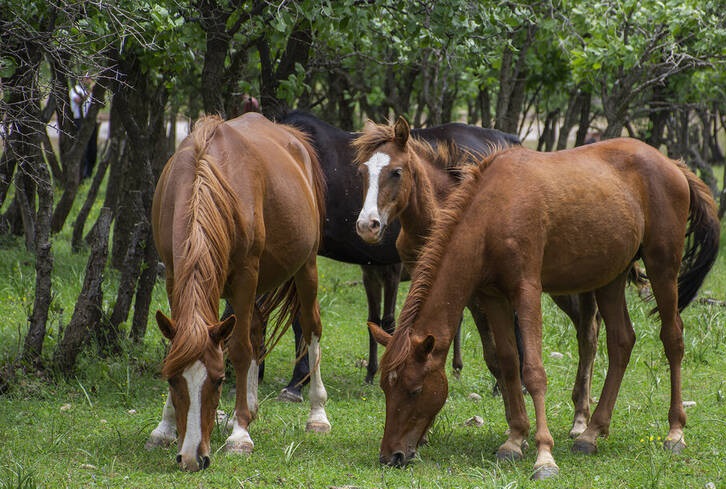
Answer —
429 186
439 297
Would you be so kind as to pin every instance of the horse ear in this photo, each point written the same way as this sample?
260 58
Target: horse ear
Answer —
424 348
221 331
369 125
379 334
166 325
401 131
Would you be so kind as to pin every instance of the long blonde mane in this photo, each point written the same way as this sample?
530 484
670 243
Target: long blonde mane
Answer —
212 224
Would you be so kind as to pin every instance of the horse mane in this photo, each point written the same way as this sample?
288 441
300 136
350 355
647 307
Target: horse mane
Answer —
447 154
212 218
427 267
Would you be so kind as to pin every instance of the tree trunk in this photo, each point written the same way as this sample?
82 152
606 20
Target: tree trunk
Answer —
145 289
570 120
72 160
512 78
43 268
109 336
485 106
583 126
87 313
546 140
296 51
110 158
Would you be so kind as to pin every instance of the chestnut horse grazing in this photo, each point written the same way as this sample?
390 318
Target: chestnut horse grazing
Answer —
524 223
237 212
407 179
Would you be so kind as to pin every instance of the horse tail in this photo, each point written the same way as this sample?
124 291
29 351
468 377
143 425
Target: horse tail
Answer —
283 302
212 227
702 239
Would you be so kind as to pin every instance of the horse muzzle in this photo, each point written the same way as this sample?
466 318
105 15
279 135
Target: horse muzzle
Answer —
192 464
396 459
370 230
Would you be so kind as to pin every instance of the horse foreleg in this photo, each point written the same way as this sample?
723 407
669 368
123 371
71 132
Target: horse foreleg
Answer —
306 283
372 283
528 304
243 346
620 341
165 432
494 320
582 311
456 361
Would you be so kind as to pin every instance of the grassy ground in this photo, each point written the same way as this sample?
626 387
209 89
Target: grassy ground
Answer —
89 430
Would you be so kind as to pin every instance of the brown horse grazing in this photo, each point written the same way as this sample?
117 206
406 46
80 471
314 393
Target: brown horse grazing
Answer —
524 223
406 178
237 212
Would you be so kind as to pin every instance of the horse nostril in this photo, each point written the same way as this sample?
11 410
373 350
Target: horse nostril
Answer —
178 458
375 224
205 462
398 459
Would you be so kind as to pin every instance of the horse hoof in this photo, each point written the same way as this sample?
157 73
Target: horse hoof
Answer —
239 448
159 441
674 446
545 472
584 447
317 427
286 395
457 373
509 455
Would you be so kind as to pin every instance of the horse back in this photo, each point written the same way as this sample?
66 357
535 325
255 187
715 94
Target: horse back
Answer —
478 140
272 174
590 208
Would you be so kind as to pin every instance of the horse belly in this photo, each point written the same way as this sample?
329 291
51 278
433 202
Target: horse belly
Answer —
592 250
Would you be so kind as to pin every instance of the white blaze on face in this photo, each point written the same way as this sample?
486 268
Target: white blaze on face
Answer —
195 375
370 207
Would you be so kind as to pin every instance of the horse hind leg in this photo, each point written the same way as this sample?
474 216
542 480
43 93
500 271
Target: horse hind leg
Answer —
244 349
582 311
373 282
306 284
663 282
620 341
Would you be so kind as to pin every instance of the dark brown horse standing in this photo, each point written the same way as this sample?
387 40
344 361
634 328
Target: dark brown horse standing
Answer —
407 179
525 223
237 212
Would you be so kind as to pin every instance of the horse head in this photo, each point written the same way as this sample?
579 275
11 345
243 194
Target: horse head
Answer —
195 377
414 383
383 155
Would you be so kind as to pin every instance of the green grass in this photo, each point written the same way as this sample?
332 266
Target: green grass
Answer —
89 430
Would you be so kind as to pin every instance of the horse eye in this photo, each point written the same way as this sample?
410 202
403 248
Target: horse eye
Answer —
416 391
396 172
218 382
